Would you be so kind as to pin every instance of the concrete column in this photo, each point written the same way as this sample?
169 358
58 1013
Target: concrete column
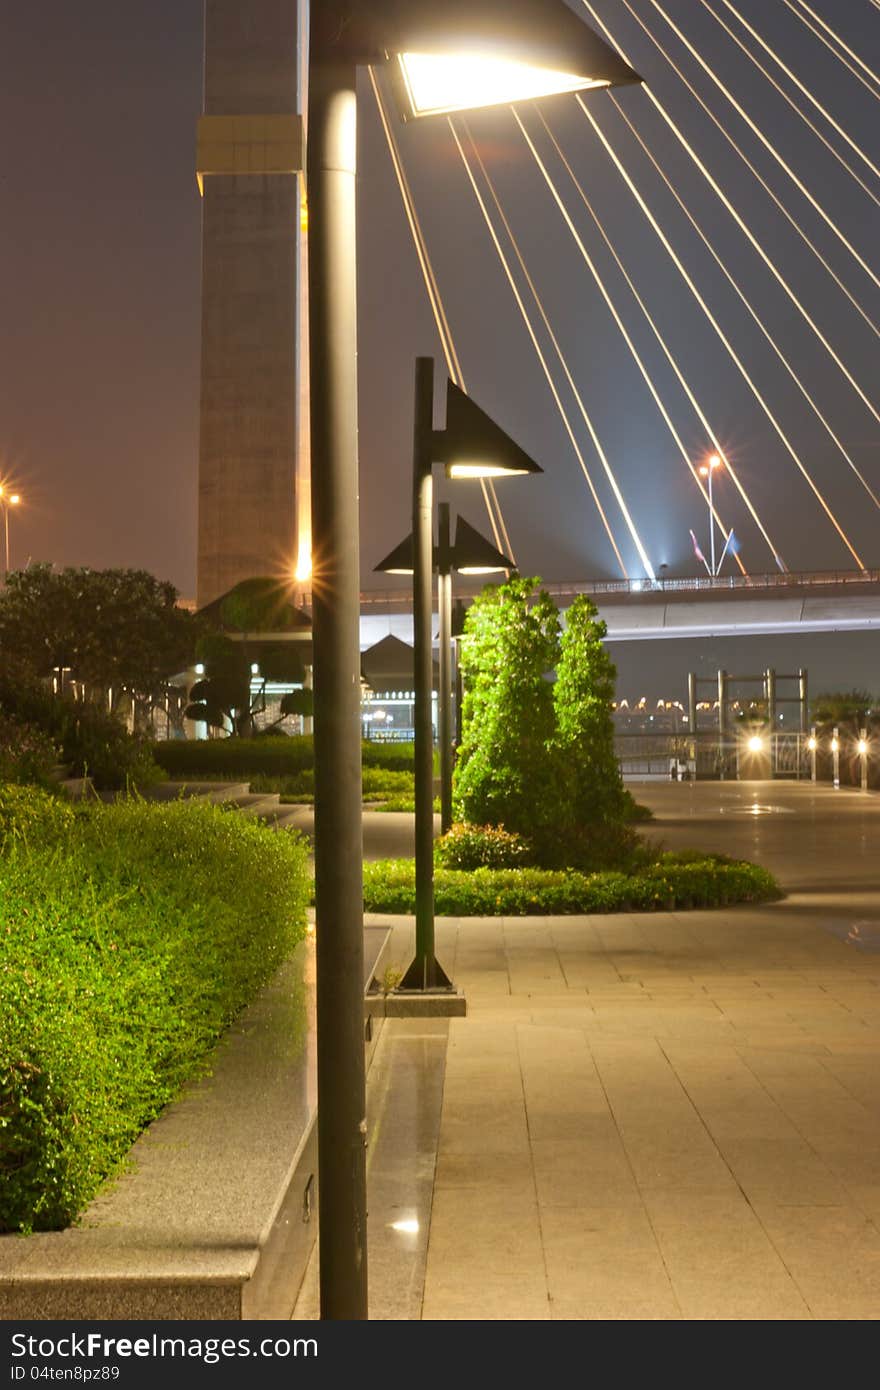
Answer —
249 155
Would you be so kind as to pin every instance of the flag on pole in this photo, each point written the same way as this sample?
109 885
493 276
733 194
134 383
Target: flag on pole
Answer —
698 552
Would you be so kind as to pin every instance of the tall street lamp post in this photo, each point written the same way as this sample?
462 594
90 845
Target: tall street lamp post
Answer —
443 58
7 500
706 472
471 446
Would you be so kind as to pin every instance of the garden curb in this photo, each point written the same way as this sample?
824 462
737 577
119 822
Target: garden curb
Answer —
217 1216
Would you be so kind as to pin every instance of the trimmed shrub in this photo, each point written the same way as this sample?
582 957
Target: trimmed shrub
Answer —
481 846
278 756
130 946
669 884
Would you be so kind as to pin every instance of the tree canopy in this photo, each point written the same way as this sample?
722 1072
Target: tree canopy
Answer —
108 629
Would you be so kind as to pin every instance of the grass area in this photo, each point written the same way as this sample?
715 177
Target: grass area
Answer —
673 881
134 933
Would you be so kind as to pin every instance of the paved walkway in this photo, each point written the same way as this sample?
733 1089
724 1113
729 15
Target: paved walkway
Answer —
647 1117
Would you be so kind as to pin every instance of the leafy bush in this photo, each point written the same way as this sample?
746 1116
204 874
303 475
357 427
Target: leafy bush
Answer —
506 772
91 741
592 847
130 942
481 846
668 884
27 754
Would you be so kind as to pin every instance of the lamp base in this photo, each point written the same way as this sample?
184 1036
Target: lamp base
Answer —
426 973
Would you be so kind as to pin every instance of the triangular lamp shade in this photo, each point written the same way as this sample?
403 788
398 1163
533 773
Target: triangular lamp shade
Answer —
454 55
473 446
399 561
473 554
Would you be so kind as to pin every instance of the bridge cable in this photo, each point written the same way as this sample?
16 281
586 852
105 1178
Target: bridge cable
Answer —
732 281
756 130
543 361
720 194
453 365
720 332
797 82
837 39
780 90
755 173
611 306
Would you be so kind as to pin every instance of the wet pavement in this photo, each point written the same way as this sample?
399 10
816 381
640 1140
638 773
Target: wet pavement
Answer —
646 1116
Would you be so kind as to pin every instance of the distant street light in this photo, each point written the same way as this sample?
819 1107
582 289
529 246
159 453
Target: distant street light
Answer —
535 44
7 500
706 471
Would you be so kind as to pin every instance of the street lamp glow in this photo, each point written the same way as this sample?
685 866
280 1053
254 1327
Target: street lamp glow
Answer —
863 745
812 744
835 745
481 470
756 744
437 84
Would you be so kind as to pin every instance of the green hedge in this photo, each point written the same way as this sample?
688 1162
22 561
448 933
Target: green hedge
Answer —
674 881
375 782
133 934
282 756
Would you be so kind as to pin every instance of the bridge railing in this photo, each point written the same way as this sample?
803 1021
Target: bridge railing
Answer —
724 583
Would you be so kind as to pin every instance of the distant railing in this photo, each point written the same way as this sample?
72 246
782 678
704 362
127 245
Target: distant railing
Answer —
730 583
842 759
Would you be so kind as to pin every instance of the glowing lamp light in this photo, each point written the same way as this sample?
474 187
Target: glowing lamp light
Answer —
408 1226
439 83
255 668
200 668
303 571
14 500
863 745
482 470
835 744
812 744
756 744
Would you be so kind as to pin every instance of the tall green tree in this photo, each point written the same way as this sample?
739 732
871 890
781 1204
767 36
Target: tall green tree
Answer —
506 772
118 630
582 697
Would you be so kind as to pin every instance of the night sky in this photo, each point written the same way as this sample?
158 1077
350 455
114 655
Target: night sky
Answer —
99 259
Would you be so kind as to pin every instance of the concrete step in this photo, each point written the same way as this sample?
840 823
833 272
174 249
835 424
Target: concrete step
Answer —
262 804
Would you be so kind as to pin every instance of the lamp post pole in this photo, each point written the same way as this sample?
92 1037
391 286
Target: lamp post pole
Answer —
424 973
711 522
342 1127
444 712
